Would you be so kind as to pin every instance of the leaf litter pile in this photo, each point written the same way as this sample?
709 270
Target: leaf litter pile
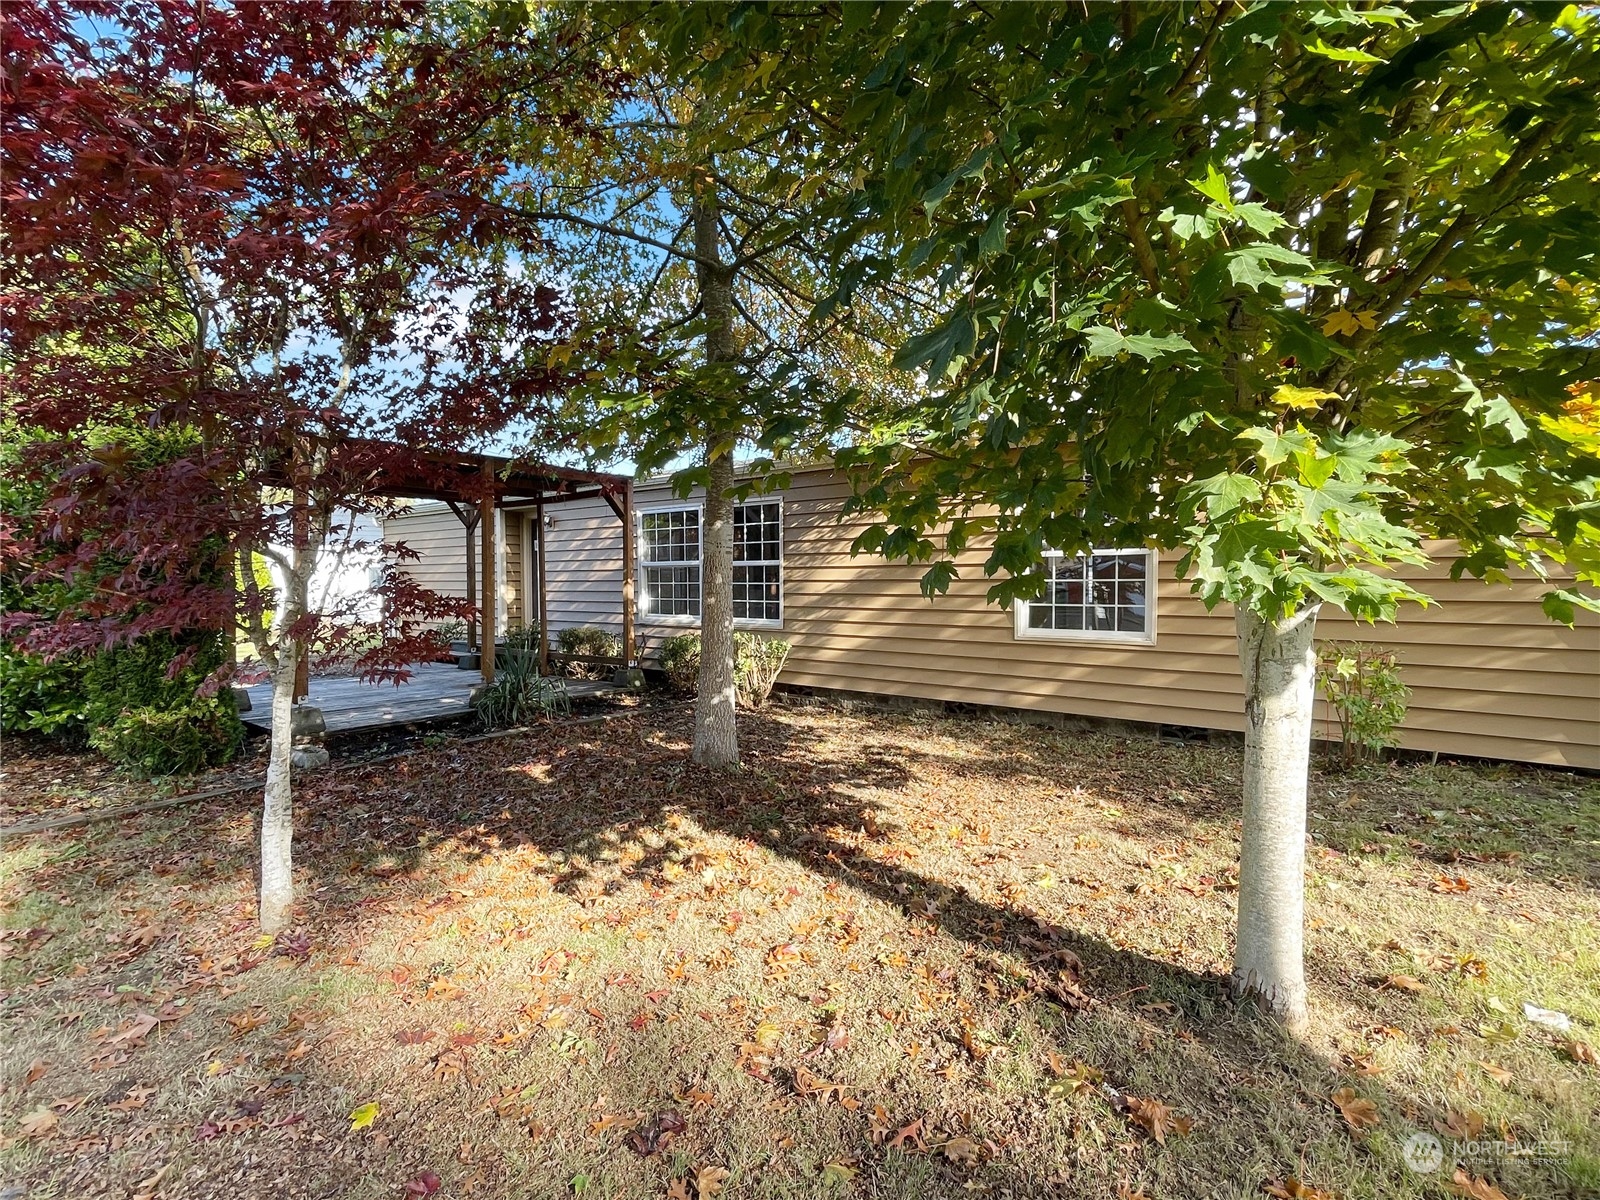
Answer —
892 956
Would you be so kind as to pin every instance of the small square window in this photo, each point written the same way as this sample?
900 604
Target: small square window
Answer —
1101 595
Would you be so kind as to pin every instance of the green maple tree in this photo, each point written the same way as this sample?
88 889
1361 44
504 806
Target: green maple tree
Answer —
1292 288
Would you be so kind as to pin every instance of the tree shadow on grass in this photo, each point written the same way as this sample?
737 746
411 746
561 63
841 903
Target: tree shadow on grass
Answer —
801 801
608 812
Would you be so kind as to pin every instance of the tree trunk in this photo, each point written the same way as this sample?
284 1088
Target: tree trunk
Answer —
277 813
1279 662
716 734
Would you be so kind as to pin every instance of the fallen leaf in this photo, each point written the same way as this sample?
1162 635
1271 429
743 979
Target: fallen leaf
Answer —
1404 983
1582 1052
1293 1189
838 1173
709 1180
1496 1072
413 1037
1156 1118
363 1116
1079 1079
244 1022
1362 1064
132 1035
1464 1126
40 1123
1358 1113
808 1084
137 1097
678 1189
425 1184
657 1134
1474 1186
36 1070
909 1133
962 1150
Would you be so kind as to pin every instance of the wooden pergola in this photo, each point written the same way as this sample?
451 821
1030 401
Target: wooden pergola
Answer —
485 483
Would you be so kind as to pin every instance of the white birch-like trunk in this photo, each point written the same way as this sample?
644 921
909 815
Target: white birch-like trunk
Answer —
1279 662
716 732
276 907
277 811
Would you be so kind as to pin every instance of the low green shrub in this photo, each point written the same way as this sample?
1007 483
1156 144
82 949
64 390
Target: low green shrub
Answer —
519 694
172 740
136 675
591 640
110 702
523 639
1365 696
680 659
757 662
42 697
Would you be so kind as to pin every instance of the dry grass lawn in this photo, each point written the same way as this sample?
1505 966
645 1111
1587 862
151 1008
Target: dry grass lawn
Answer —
893 957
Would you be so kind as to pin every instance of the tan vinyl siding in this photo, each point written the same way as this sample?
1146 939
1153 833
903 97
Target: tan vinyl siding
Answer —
513 574
1489 674
583 555
434 532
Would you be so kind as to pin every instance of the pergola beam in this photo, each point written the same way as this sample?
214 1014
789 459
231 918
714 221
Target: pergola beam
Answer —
486 482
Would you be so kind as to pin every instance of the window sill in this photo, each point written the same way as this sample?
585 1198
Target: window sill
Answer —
1085 636
694 623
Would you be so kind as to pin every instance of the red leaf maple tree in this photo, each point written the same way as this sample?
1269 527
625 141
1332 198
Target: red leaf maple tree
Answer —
264 230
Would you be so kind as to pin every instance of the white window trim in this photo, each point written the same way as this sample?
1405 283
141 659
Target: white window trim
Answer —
783 587
1024 632
651 618
693 622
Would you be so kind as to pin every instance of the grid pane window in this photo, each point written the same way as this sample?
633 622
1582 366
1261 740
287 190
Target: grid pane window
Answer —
758 562
670 563
1105 592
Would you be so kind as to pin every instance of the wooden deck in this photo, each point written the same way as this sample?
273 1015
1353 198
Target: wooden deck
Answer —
436 694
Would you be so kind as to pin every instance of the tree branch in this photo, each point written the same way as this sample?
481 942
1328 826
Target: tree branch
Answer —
630 235
1198 62
1465 224
1134 220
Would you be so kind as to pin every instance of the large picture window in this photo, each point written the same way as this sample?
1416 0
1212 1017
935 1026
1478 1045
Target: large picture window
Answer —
1104 595
670 563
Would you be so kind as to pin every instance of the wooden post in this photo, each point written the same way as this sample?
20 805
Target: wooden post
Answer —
302 674
627 576
544 607
486 571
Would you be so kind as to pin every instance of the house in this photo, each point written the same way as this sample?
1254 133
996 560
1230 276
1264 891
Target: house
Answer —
348 566
1120 638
